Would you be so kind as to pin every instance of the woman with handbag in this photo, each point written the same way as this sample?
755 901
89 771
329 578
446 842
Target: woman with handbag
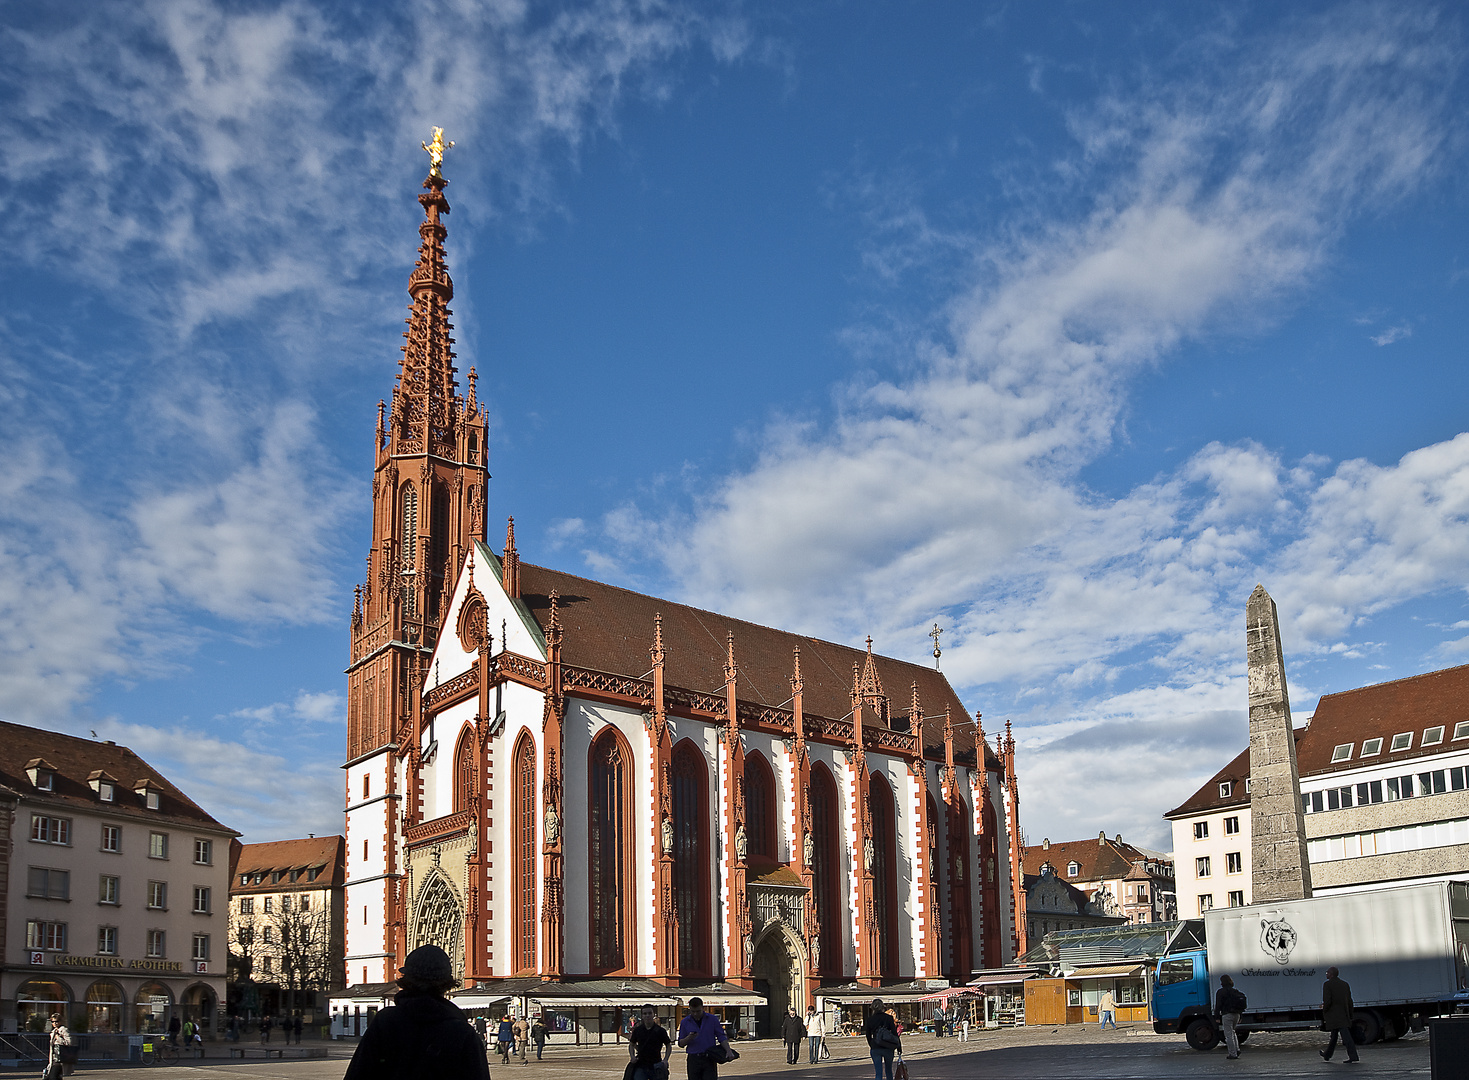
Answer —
882 1040
60 1041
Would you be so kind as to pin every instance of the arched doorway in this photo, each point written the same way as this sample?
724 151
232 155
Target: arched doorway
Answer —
104 1008
151 1008
440 919
199 1006
776 969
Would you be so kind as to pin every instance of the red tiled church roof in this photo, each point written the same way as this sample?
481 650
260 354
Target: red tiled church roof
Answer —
611 629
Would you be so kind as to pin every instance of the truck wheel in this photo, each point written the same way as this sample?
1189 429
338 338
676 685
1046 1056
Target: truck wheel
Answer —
1241 1036
1366 1028
1201 1034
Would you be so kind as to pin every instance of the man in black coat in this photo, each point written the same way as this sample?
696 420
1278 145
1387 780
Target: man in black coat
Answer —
792 1030
422 1036
1336 1015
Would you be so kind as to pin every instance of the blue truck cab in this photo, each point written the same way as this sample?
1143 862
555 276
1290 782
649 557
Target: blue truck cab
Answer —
1181 1001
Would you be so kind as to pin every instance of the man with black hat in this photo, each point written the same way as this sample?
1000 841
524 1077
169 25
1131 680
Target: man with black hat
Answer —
422 1035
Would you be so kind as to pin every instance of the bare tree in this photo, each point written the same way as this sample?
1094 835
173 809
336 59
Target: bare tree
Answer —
304 949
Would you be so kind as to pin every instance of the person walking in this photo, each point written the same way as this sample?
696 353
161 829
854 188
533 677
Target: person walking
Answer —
296 1026
505 1036
174 1027
1336 1015
265 1025
481 1029
1107 1010
648 1046
792 1030
938 1022
815 1033
699 1033
423 1035
521 1030
1229 1003
538 1036
59 1039
882 1040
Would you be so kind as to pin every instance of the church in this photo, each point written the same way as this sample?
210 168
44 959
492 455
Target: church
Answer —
570 786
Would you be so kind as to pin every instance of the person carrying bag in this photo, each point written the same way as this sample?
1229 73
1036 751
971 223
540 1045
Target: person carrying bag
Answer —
882 1040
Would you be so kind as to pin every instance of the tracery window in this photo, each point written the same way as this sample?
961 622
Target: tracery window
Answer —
826 834
760 816
464 770
884 871
690 852
960 902
440 919
525 853
610 854
410 527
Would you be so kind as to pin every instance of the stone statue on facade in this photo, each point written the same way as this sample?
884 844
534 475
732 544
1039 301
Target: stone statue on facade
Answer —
553 826
741 843
808 848
666 829
869 853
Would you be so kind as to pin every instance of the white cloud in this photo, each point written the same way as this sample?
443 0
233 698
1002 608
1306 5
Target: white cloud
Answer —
1394 333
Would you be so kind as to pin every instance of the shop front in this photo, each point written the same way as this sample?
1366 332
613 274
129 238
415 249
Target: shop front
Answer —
106 997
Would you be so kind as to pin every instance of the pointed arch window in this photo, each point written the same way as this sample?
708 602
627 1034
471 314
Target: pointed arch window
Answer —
760 814
610 854
464 770
691 858
884 872
524 870
961 869
410 526
827 836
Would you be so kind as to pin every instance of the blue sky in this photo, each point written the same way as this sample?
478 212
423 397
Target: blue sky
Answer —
1059 325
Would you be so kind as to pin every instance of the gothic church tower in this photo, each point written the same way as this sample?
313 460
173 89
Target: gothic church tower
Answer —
428 505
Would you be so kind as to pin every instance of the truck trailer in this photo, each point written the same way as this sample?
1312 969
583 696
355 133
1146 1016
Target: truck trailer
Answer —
1403 950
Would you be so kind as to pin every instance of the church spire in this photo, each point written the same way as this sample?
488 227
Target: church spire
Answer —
510 563
424 416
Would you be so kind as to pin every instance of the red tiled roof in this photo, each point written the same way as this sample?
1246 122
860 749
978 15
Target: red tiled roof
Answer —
1437 698
328 852
74 760
611 629
1098 859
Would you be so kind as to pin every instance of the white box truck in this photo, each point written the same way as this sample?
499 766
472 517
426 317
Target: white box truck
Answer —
1403 950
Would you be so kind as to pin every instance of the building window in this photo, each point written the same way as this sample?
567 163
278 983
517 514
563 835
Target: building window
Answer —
43 780
1234 862
1371 747
1237 898
158 845
1248 783
1342 752
201 900
285 903
106 941
268 904
158 895
1432 783
50 936
1432 736
367 787
1201 830
156 948
1403 740
111 838
410 527
201 946
275 877
1206 902
826 839
1456 779
1369 792
269 965
1399 787
1202 866
1226 789
50 830
526 853
247 905
1142 893
610 860
760 814
886 903
203 852
269 935
43 883
1073 869
106 792
463 770
245 935
1461 730
303 903
107 889
1231 826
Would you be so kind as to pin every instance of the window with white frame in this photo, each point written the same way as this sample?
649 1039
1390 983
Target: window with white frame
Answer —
247 905
1461 730
158 895
1432 736
106 941
1234 862
203 852
201 900
158 845
201 946
1206 902
156 945
1072 869
1231 826
1342 752
107 889
46 829
50 936
1202 866
112 838
1237 898
1226 788
1371 747
106 792
1201 830
1403 740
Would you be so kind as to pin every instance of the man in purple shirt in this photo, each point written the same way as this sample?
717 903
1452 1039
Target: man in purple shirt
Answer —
699 1033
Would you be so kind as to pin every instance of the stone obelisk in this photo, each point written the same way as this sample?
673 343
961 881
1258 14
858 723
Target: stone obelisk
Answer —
1280 870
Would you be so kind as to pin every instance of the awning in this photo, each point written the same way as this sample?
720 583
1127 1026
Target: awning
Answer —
1106 971
1003 980
953 991
724 1001
571 1001
887 993
478 1001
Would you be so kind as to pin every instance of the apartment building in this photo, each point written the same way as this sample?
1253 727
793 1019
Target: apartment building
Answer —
286 933
1384 781
113 890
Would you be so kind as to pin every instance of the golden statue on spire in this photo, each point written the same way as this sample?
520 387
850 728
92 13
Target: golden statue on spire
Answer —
436 151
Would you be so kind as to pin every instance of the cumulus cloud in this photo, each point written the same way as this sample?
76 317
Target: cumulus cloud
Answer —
959 490
1394 333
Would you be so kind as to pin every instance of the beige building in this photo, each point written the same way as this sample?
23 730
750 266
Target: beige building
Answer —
114 886
286 928
1120 880
1384 782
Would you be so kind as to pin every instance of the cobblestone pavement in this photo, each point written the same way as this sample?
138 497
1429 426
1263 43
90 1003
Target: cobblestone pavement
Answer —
1042 1053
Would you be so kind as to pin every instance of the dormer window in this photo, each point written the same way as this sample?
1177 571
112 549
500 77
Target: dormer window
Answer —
106 792
1342 753
1226 788
1073 869
103 784
1403 740
1432 736
148 791
42 774
1371 747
